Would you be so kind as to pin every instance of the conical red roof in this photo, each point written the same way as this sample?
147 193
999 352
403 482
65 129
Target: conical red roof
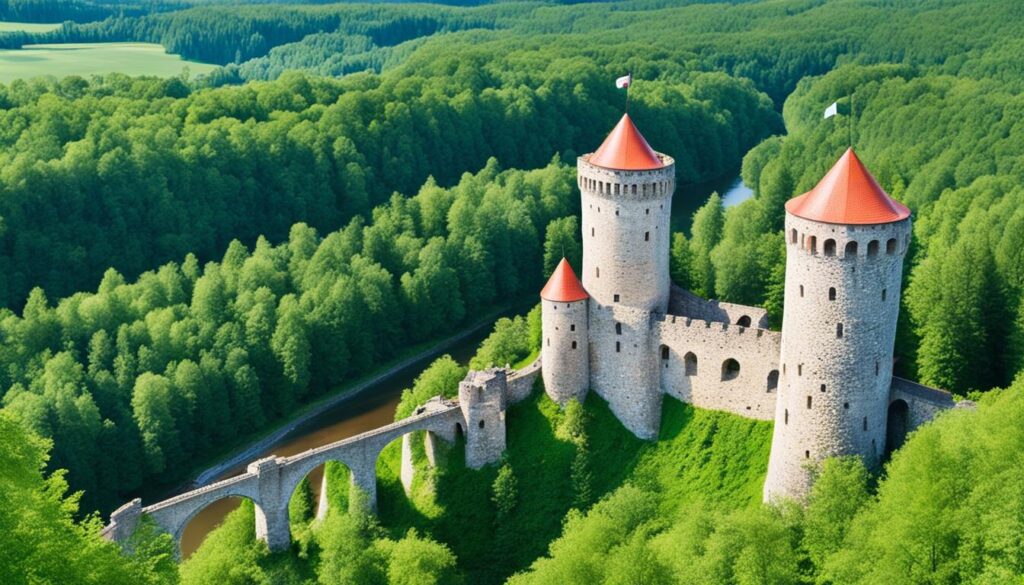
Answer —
626 150
848 194
563 286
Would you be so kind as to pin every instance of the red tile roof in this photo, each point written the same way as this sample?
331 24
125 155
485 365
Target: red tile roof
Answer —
626 150
563 286
848 194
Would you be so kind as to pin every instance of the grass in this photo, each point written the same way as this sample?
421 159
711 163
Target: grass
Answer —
701 455
29 27
87 59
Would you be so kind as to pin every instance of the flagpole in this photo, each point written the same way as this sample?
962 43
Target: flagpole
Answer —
627 91
851 119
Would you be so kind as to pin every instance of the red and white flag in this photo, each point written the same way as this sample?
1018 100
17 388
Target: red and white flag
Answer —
624 81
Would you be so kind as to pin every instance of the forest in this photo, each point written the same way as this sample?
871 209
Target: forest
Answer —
235 233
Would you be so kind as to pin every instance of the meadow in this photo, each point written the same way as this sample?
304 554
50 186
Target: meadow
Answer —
88 59
30 27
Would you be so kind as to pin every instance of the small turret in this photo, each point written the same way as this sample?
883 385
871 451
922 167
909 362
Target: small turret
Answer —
564 346
482 398
845 242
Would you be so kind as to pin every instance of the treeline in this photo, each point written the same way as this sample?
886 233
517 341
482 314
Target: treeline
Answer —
327 54
170 369
951 148
233 34
775 44
131 173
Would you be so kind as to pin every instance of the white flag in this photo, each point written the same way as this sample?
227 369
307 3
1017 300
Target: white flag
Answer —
832 110
624 81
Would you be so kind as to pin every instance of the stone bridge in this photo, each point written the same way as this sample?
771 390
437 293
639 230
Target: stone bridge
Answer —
269 483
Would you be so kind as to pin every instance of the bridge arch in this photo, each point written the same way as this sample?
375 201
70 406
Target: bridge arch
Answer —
216 511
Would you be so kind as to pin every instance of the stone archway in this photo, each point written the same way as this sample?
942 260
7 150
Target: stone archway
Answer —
897 425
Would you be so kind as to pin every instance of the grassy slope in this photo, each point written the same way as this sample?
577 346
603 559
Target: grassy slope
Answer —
701 455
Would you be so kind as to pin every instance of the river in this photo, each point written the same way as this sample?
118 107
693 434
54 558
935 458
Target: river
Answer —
376 406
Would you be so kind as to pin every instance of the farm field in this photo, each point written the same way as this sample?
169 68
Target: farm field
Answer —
32 27
93 58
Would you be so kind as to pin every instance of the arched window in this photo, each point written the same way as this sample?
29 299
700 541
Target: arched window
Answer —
872 248
839 330
792 236
730 369
812 244
690 364
807 454
664 352
851 248
773 380
890 246
831 293
822 387
830 247
743 321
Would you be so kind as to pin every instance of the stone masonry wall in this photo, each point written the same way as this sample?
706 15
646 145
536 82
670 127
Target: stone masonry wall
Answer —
626 233
482 397
692 358
685 303
564 350
838 332
623 369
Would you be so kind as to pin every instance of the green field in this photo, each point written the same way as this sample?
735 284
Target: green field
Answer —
87 59
32 27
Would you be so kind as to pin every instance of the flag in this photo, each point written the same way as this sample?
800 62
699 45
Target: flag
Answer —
624 81
832 110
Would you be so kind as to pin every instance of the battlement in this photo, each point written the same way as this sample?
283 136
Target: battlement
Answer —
686 304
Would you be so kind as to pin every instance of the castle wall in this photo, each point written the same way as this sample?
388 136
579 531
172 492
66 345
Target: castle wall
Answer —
626 234
623 369
520 382
564 350
923 403
691 360
839 327
685 303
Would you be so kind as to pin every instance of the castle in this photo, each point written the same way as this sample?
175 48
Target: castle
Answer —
627 333
632 337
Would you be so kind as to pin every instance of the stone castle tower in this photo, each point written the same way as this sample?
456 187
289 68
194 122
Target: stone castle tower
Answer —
845 243
626 190
629 335
564 321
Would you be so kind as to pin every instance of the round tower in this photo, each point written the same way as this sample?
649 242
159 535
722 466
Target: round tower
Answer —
845 243
564 347
626 192
626 189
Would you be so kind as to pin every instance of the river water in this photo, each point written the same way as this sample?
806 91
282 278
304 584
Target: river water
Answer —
376 406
